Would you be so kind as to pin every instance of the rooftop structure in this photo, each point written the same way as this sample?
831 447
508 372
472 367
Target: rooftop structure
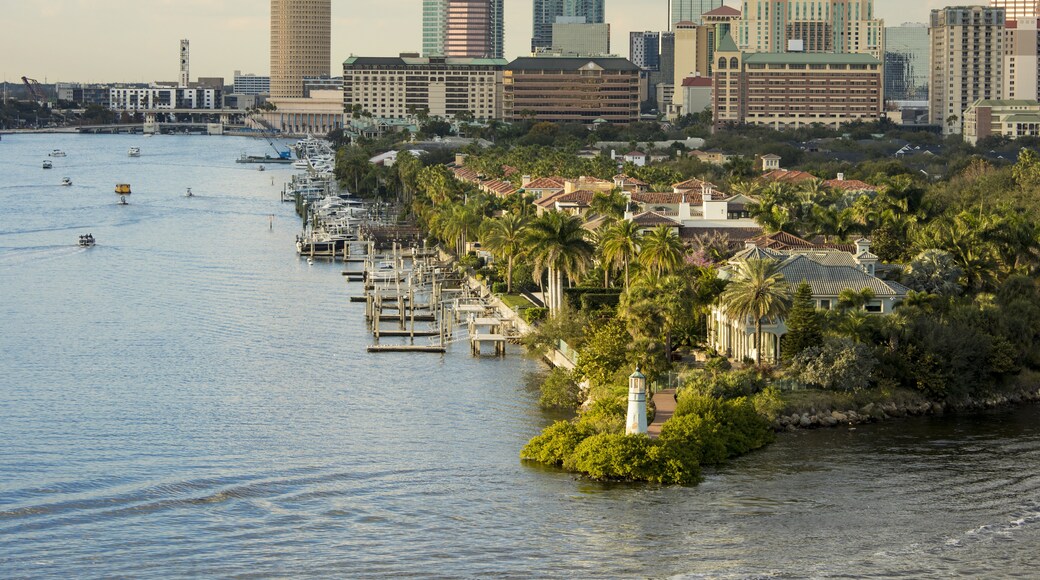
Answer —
300 44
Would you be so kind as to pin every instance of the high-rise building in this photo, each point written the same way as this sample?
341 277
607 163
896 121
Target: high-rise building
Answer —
967 61
547 11
300 44
691 10
813 26
644 49
1021 59
1017 9
185 64
580 38
435 23
906 62
474 29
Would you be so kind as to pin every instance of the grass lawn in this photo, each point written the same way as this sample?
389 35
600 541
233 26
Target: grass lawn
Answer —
515 300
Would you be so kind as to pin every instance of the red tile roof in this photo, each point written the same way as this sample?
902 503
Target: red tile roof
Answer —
789 176
849 185
545 183
649 219
692 184
722 11
667 197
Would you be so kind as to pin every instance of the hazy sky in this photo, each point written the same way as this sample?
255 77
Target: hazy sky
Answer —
138 40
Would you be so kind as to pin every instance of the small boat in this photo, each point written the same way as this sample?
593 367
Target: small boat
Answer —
57 153
189 193
122 200
310 261
47 164
66 181
261 168
86 240
123 189
134 152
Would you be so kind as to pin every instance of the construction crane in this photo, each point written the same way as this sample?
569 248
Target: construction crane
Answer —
268 131
35 90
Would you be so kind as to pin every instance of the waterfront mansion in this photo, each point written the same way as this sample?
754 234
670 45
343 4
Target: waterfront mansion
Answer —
828 271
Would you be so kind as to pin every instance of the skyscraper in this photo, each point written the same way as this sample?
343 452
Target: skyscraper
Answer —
906 62
1021 59
967 61
546 12
814 26
474 29
300 44
1017 9
435 23
644 49
691 10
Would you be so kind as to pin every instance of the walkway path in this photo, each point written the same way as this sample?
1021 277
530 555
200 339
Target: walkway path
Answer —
664 405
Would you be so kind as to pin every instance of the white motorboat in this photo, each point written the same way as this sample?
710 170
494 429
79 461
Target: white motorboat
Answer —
134 152
66 181
47 164
57 153
189 193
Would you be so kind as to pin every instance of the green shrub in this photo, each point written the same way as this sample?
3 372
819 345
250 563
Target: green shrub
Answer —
605 415
574 296
555 444
691 441
592 302
728 385
769 403
614 456
559 391
499 288
740 426
532 315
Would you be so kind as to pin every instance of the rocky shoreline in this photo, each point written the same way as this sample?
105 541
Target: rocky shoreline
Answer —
874 412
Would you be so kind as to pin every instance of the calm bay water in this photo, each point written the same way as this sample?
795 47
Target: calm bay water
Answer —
189 399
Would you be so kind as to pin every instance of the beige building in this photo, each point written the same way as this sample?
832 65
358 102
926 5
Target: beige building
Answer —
318 114
693 52
813 26
1021 52
967 58
1017 9
789 90
400 87
300 44
1007 118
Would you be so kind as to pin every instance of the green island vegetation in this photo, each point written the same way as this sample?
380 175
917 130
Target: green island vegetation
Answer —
955 224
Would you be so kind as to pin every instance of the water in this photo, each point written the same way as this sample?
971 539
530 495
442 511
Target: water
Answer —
189 399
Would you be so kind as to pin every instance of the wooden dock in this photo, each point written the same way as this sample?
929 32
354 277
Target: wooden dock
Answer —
407 348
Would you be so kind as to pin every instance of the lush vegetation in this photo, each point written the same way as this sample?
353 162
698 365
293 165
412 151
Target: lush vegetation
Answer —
959 229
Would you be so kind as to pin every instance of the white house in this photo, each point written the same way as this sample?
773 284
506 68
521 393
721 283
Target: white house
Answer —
828 272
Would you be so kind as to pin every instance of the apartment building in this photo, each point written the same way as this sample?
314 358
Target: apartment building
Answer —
967 61
399 87
163 98
644 49
789 90
561 89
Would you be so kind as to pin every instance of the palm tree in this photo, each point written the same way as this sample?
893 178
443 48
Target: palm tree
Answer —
855 300
557 243
610 205
662 251
620 245
504 237
757 290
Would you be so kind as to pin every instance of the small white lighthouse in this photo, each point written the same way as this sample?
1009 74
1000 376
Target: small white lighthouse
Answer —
636 422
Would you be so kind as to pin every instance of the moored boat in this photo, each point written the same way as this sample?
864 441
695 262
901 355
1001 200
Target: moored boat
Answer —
123 189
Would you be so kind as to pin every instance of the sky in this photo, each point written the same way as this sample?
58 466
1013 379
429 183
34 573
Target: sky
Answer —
139 40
